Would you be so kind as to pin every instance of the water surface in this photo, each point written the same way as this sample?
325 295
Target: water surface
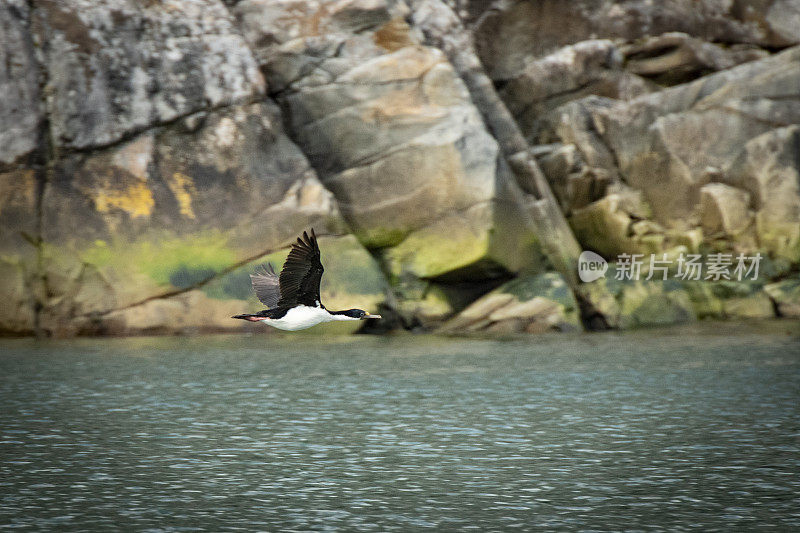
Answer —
690 429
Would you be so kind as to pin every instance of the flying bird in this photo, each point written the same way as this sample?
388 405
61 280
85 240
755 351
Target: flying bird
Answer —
293 297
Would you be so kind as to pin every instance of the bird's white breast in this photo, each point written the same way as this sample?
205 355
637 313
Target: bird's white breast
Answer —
300 317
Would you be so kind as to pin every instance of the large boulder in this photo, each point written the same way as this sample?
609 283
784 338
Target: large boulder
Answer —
768 168
390 129
616 224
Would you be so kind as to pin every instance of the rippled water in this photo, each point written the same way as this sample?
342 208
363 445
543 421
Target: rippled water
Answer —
680 430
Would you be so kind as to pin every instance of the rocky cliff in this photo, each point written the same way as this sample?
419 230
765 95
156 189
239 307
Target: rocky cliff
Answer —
455 156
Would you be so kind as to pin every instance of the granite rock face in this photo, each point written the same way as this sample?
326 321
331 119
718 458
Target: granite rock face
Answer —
165 174
21 151
768 168
116 67
691 151
170 211
588 67
513 31
392 132
21 112
152 153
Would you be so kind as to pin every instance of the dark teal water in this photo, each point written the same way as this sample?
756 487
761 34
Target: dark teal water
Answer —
694 429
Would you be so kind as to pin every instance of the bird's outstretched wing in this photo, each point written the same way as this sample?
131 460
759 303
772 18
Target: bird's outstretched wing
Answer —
301 274
265 283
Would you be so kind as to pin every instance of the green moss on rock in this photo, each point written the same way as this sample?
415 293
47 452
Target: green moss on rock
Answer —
629 304
165 258
432 252
729 299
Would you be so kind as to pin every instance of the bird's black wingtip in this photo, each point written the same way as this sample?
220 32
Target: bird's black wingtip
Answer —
306 240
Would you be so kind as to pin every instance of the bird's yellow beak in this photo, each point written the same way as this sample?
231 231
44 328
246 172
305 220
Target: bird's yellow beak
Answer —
371 316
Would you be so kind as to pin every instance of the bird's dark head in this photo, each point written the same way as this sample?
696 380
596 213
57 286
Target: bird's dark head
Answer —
355 314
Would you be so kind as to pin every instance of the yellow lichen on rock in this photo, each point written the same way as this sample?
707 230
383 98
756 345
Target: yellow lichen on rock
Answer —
136 199
182 187
121 181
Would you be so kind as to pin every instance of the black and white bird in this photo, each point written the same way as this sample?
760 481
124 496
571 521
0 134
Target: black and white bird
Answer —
293 297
